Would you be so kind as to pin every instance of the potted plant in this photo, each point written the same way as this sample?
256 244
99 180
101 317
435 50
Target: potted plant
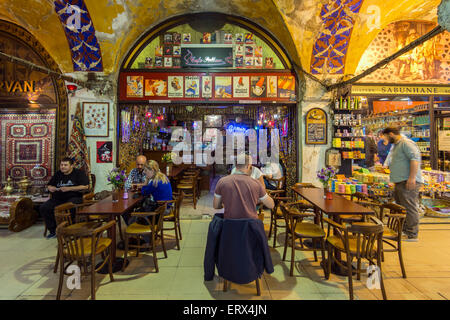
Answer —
325 175
116 178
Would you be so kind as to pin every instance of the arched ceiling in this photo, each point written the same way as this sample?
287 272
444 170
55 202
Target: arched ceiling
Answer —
345 26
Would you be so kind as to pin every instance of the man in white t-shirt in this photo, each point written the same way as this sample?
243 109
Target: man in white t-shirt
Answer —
256 174
272 170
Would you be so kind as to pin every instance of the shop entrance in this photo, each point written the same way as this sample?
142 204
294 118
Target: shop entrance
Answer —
221 77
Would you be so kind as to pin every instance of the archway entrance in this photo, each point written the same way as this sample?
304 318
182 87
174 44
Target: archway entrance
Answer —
207 70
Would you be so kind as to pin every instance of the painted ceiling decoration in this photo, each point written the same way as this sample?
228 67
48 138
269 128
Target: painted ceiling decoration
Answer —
427 63
330 49
80 33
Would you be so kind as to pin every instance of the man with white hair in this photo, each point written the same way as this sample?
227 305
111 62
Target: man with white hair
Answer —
239 194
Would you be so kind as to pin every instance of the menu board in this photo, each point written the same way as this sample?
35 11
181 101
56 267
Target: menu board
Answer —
316 126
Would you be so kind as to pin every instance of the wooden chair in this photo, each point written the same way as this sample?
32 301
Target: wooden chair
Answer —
365 242
154 228
63 214
294 213
92 182
174 216
83 245
227 285
188 185
359 198
194 172
392 231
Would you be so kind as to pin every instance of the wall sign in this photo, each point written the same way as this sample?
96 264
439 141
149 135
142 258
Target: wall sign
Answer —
316 126
401 90
206 57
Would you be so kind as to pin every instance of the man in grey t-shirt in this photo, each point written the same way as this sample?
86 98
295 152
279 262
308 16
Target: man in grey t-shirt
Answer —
407 176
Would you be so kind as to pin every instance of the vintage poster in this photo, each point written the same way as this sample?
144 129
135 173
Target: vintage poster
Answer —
191 85
316 126
168 62
104 152
258 62
249 50
241 87
206 87
269 63
222 88
272 87
135 86
159 51
258 51
249 62
176 85
186 38
258 87
206 37
239 62
176 62
159 62
176 38
96 119
228 38
168 50
286 86
168 38
176 51
239 50
249 38
239 37
156 88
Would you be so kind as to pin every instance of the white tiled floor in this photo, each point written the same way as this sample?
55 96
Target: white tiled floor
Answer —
26 263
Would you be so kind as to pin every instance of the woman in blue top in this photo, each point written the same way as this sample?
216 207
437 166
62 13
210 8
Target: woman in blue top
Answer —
158 187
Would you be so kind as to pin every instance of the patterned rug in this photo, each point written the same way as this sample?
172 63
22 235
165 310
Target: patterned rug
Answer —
27 146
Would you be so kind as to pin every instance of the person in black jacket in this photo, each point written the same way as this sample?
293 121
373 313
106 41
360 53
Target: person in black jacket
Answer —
370 149
65 186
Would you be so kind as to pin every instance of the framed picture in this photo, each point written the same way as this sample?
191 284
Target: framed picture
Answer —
104 152
316 126
96 119
213 121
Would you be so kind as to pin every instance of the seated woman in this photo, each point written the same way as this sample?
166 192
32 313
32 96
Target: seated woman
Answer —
157 189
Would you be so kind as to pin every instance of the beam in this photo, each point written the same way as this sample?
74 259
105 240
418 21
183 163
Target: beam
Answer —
33 66
385 61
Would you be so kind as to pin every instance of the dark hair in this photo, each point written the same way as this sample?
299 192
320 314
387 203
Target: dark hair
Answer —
394 130
67 159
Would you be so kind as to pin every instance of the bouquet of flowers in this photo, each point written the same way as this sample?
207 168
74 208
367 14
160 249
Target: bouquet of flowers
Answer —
325 175
117 178
167 157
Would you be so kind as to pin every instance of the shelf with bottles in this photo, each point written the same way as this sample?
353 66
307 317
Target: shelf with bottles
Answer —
348 103
352 132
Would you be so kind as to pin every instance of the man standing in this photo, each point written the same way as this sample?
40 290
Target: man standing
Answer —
239 194
65 186
137 177
370 149
407 176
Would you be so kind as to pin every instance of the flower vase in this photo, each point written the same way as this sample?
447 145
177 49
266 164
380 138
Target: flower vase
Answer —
115 194
328 194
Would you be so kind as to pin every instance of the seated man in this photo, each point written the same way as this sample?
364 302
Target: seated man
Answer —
137 177
255 174
65 186
239 194
272 170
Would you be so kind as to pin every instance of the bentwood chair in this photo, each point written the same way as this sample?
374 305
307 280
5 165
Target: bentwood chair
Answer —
188 185
63 214
361 240
392 231
82 245
294 213
174 216
154 229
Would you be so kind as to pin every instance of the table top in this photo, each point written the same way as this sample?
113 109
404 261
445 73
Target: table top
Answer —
106 206
338 205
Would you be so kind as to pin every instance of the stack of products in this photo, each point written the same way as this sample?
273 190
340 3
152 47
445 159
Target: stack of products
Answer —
371 177
348 186
381 190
